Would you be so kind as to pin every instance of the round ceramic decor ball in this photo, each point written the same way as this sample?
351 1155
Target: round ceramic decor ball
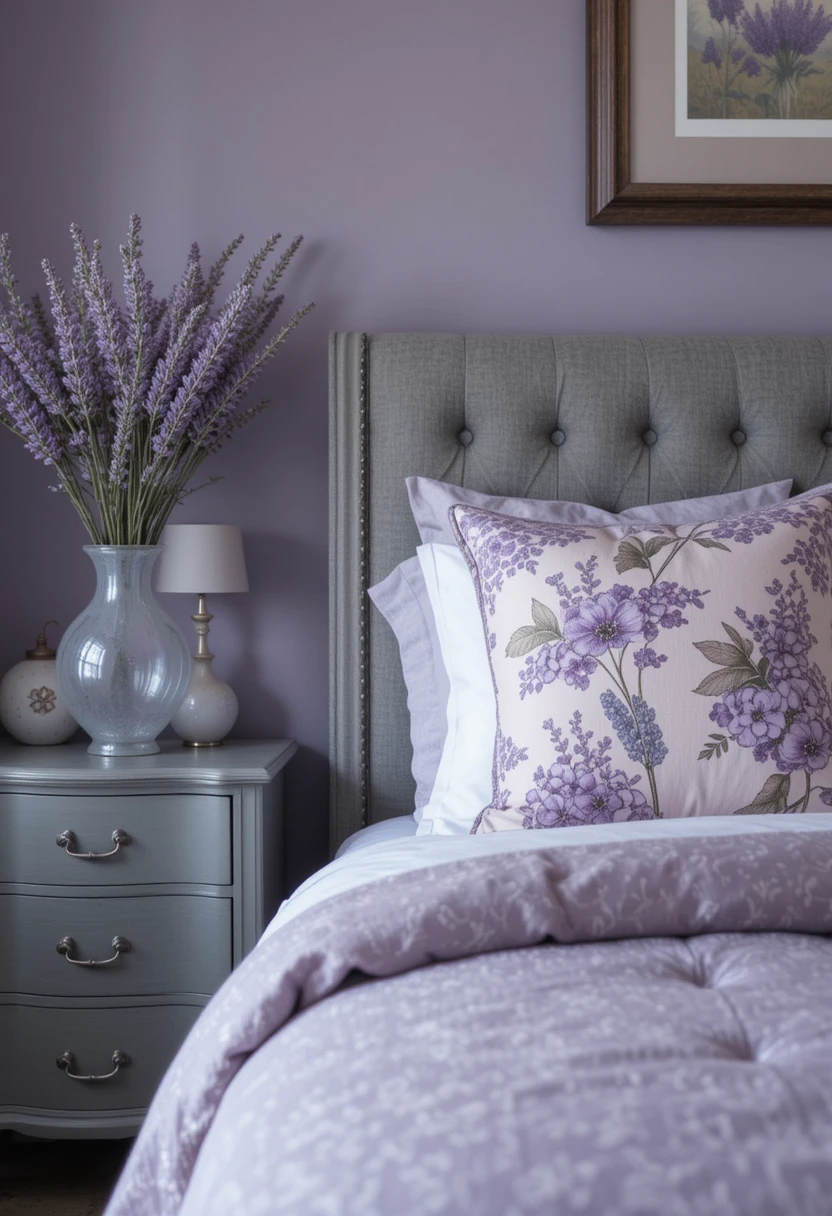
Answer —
31 708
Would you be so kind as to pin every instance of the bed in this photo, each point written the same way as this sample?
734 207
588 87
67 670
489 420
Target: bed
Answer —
629 1014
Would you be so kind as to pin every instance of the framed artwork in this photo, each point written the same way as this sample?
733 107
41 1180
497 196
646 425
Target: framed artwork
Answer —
709 112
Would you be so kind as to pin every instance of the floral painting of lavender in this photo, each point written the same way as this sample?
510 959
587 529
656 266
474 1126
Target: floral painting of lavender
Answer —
760 65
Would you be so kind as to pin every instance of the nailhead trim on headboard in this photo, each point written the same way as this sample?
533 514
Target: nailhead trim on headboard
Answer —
364 532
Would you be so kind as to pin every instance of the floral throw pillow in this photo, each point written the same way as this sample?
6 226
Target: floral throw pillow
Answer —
657 671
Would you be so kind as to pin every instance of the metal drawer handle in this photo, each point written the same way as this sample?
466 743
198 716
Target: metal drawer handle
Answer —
67 945
66 1062
68 840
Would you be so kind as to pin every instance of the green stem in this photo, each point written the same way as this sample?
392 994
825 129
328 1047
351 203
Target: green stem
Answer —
800 804
613 677
677 548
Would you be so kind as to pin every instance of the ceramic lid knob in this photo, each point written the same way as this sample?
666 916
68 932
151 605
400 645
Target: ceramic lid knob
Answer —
41 650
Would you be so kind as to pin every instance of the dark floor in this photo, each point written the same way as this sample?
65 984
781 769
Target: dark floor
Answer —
57 1177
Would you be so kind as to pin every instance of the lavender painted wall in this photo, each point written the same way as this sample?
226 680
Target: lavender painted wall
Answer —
432 154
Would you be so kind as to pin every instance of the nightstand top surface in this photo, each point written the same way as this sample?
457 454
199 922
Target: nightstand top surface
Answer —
236 761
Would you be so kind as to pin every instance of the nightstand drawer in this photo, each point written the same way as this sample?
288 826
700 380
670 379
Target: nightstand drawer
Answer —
154 944
34 1039
181 838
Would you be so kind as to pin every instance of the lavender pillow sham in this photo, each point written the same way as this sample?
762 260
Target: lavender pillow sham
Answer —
659 671
430 502
402 598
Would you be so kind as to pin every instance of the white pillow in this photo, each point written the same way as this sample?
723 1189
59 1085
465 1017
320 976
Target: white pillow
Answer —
463 779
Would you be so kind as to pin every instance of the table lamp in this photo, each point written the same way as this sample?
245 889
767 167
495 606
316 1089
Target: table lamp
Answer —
199 559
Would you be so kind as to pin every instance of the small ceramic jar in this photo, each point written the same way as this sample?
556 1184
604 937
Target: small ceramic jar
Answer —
31 708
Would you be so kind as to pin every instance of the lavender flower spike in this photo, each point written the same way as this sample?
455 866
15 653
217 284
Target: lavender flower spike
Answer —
23 415
208 365
79 374
126 400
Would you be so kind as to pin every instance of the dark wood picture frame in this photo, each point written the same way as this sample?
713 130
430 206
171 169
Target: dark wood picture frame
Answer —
612 198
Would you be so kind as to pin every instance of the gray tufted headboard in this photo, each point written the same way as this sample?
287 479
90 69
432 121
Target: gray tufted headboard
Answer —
612 421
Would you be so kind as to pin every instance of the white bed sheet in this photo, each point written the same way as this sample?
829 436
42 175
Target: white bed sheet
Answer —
385 856
397 828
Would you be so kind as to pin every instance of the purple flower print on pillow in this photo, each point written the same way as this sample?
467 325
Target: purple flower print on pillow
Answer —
754 715
601 624
507 756
799 695
581 786
783 645
598 629
647 657
556 662
596 801
505 545
805 746
777 705
812 551
662 605
636 728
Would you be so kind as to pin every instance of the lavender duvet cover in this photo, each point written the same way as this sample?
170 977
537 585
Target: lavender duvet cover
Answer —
614 1028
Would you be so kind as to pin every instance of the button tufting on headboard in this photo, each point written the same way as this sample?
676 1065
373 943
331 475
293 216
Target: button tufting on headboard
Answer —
738 437
827 438
557 437
466 438
650 437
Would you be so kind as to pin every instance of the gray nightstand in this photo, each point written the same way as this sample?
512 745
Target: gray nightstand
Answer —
128 890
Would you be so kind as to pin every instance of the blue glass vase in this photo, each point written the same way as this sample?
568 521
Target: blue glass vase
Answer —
123 667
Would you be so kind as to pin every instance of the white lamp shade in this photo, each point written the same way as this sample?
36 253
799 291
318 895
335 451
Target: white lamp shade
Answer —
202 558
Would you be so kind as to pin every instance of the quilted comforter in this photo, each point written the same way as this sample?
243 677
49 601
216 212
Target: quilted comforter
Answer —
611 1029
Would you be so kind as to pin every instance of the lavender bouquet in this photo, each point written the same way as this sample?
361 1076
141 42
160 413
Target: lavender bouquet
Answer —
125 402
